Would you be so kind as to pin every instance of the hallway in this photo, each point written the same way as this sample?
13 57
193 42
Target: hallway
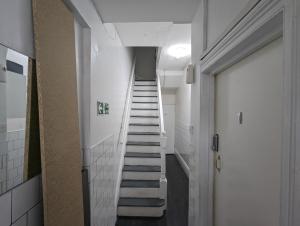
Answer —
177 213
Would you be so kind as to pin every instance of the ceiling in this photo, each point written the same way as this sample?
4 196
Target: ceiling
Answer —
116 11
178 34
157 34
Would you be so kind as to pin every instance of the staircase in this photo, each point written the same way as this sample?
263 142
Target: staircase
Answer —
143 186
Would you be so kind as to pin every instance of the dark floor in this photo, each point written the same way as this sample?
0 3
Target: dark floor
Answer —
177 212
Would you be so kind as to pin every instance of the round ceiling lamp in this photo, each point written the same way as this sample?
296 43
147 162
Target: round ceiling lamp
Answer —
179 50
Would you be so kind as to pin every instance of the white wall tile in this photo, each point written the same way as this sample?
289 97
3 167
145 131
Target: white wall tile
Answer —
35 216
25 197
21 221
5 209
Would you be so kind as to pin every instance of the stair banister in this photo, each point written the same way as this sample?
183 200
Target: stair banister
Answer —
122 139
163 142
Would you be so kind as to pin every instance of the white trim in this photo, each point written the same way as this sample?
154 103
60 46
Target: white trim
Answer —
122 139
182 162
259 27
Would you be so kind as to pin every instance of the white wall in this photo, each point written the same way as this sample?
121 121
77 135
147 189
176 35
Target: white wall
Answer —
183 120
220 15
16 30
110 69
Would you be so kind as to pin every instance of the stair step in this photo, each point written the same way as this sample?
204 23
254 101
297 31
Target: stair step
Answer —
140 143
144 102
143 124
144 109
140 184
141 168
142 155
144 116
144 85
144 133
141 202
145 96
142 90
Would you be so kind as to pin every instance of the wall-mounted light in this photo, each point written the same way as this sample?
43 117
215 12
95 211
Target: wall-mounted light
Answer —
179 50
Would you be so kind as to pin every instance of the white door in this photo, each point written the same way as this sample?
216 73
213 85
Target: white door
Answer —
248 113
169 118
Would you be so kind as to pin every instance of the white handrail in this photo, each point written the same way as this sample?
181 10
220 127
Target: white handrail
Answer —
125 118
161 112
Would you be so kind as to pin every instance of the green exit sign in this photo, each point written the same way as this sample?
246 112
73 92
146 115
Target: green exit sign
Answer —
102 108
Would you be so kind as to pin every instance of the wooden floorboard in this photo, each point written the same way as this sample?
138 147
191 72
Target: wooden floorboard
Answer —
177 213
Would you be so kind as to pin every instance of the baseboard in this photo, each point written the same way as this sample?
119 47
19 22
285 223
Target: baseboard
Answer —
183 164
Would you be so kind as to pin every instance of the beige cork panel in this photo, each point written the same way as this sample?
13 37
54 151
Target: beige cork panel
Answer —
58 113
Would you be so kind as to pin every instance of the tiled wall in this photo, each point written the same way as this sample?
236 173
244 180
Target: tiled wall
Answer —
11 160
103 178
15 157
22 206
183 141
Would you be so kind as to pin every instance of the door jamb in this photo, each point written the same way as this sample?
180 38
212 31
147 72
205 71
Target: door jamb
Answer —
269 20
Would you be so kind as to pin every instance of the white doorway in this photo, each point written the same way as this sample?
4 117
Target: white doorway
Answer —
248 113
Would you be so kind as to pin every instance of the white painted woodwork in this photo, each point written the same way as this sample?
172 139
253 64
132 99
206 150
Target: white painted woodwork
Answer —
144 93
145 88
144 129
144 120
142 161
145 112
141 175
139 192
143 149
144 138
144 99
249 179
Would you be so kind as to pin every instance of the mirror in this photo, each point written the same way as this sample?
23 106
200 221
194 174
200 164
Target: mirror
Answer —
13 104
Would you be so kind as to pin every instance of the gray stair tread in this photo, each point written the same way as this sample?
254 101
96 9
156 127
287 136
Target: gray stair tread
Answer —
143 124
144 116
145 109
141 202
144 133
141 143
137 90
145 80
144 102
142 155
144 85
146 96
140 184
141 168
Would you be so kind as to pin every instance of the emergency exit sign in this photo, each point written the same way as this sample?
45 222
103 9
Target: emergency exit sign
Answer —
102 108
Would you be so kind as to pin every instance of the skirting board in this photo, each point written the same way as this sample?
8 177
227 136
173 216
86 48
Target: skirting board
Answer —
183 164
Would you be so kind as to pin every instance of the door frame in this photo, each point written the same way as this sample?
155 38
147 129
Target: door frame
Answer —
266 22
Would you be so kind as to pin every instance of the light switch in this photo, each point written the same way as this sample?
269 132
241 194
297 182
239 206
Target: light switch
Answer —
240 117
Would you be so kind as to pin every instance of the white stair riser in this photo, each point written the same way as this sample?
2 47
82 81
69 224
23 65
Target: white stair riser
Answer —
141 175
140 211
145 112
143 149
145 83
139 192
145 88
138 105
144 120
144 99
146 138
143 161
144 129
143 93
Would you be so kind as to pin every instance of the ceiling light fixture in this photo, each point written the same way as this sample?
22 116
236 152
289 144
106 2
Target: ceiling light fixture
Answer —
179 50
